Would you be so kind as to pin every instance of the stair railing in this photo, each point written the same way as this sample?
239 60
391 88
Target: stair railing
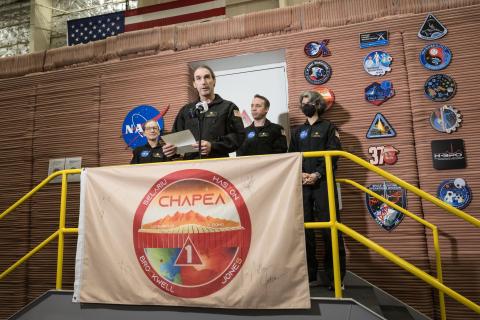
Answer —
333 224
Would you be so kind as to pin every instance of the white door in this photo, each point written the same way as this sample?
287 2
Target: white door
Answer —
241 84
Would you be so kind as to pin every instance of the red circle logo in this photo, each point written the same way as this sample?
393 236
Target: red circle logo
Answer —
192 233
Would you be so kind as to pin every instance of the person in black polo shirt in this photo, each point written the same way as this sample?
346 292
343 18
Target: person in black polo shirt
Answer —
262 136
222 126
151 151
317 134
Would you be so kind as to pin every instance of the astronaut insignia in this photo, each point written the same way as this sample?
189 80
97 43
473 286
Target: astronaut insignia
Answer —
157 155
317 72
378 93
377 63
431 29
435 56
446 119
316 49
440 87
380 128
316 134
263 134
455 192
381 155
387 217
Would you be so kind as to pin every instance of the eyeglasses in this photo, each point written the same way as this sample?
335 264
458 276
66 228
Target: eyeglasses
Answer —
151 128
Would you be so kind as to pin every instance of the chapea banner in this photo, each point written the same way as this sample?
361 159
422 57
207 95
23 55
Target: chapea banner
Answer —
224 233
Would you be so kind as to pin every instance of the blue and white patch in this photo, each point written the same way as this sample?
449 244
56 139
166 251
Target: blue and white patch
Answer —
144 153
251 135
303 134
455 192
377 63
435 56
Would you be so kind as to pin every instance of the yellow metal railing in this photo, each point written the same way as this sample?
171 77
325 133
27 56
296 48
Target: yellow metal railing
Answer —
333 224
60 233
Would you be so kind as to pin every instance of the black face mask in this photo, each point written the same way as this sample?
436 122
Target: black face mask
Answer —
309 109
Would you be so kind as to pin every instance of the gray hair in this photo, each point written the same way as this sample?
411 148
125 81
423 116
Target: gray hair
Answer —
313 97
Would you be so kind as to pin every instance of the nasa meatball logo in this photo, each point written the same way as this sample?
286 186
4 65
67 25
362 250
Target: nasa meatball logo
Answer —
192 233
132 126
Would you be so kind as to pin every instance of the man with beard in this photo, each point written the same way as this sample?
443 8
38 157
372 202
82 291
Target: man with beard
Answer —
262 136
220 124
317 134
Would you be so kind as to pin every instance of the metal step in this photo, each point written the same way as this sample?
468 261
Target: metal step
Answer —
371 297
362 301
58 305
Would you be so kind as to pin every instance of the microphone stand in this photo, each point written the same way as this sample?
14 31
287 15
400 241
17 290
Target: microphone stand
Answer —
200 127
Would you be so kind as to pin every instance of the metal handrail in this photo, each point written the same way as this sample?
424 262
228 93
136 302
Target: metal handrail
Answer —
60 232
334 225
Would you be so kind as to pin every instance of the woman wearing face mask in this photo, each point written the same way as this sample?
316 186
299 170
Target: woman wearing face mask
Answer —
317 134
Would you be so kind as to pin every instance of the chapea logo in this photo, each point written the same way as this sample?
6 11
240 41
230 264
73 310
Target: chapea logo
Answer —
192 233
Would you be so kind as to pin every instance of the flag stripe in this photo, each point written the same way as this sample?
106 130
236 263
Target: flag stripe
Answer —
172 13
169 6
176 19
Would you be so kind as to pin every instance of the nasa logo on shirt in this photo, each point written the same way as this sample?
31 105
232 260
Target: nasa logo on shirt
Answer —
251 135
303 134
144 153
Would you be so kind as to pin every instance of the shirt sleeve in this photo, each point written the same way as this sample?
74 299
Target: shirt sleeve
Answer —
235 133
332 143
293 142
280 143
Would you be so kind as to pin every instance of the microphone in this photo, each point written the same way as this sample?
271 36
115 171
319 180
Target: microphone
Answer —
201 107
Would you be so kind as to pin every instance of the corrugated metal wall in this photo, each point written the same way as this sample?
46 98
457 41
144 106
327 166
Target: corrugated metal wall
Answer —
78 112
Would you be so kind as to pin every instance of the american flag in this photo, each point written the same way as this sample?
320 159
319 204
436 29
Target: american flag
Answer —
179 11
172 13
95 28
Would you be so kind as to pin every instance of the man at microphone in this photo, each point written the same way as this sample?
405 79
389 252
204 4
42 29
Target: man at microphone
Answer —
220 120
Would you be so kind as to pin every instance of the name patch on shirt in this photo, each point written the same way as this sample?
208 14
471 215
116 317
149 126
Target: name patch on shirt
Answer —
211 114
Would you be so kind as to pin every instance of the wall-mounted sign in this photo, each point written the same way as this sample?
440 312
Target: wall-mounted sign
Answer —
132 126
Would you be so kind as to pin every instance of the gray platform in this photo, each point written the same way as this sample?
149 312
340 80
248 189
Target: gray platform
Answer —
362 302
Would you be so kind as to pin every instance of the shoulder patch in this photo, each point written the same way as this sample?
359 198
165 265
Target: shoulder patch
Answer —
237 113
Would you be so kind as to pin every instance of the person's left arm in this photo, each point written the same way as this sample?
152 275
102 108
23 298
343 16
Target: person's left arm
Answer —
280 143
234 135
332 143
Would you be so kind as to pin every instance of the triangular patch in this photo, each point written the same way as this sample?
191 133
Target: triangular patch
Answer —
380 128
188 256
432 29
